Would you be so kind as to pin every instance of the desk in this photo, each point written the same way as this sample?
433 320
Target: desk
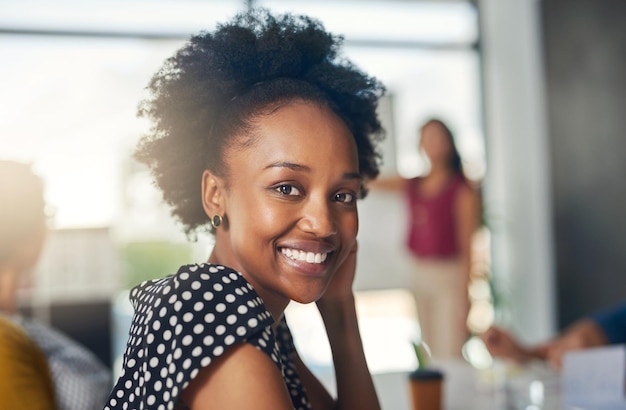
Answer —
465 389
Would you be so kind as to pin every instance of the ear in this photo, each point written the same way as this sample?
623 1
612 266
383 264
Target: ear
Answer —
212 194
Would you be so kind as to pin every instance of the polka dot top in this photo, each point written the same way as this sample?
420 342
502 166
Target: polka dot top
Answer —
182 323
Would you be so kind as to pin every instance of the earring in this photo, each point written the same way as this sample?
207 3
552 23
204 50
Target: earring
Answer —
216 221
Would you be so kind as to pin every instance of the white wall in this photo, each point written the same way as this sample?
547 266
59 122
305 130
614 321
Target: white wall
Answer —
517 188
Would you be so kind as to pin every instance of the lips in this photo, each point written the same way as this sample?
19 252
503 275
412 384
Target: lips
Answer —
304 256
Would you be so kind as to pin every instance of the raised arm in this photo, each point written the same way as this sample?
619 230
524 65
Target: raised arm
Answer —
355 388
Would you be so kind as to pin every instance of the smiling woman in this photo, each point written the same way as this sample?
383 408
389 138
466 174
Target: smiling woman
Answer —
265 136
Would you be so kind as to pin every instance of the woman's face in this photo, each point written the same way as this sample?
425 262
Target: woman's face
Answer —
435 143
290 204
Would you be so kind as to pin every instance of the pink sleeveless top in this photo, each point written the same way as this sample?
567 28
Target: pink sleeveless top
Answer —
432 225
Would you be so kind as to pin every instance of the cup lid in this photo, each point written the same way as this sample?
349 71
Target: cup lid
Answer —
426 374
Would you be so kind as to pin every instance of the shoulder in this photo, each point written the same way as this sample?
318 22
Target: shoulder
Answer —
185 322
23 369
198 296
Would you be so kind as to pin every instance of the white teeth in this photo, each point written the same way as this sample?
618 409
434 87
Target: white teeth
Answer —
309 257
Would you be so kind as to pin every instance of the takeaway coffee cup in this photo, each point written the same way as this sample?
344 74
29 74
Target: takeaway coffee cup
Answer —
426 386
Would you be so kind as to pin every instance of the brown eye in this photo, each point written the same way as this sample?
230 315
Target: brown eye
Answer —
288 190
345 197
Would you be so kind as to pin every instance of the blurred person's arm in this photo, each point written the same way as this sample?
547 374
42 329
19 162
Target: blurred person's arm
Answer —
583 334
388 183
25 382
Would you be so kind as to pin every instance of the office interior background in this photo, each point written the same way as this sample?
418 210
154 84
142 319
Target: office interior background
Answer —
534 91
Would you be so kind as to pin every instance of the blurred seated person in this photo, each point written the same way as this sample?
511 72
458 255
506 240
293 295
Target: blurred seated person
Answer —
25 381
599 329
80 380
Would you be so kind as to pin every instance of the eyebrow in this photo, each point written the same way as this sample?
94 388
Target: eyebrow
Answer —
300 167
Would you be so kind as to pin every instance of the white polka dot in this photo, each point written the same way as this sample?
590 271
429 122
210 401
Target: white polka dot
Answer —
167 335
128 384
193 374
197 351
178 306
158 385
241 330
184 276
242 310
156 325
151 400
208 340
177 354
253 322
205 361
225 279
187 364
262 342
173 320
230 298
172 368
150 338
204 276
209 318
233 276
120 394
167 290
179 377
131 363
198 306
213 269
188 317
231 319
220 330
218 350
163 311
229 340
187 340
160 348
186 295
220 307
163 372
218 287
208 295
173 299
154 362
196 285
179 329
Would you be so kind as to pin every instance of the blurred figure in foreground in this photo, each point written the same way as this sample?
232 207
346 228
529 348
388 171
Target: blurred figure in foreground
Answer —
40 368
602 328
444 213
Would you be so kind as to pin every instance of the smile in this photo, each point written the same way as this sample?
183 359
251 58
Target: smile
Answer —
309 257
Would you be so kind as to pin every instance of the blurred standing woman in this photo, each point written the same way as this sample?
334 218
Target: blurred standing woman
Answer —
263 134
443 214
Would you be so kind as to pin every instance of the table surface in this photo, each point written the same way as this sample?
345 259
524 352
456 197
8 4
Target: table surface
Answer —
467 388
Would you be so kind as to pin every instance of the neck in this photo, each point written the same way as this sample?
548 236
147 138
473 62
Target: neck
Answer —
440 169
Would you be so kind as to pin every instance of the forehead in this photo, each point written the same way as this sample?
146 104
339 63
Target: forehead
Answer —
307 133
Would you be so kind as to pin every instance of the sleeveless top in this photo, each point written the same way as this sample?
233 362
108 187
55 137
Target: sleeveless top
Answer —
432 220
185 321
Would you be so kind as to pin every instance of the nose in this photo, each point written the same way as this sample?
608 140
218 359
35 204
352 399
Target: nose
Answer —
318 218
